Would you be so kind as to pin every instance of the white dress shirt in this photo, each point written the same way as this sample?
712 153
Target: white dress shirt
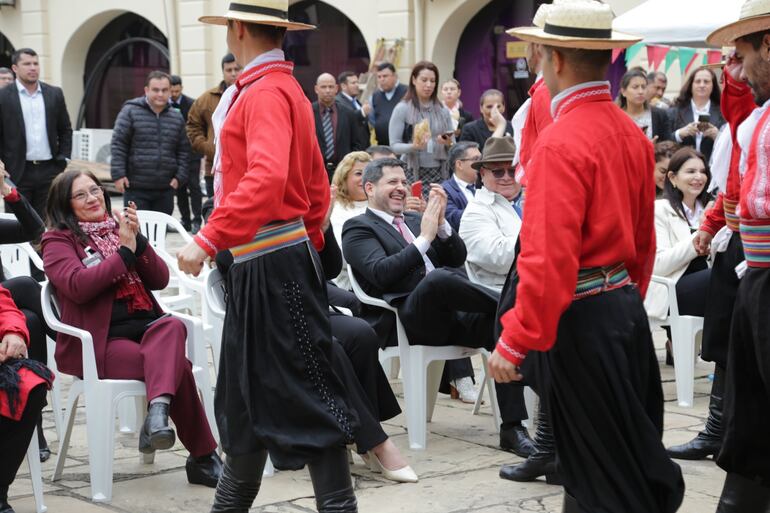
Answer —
463 187
340 214
421 243
35 130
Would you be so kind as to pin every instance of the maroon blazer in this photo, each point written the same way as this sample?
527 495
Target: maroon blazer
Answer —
86 294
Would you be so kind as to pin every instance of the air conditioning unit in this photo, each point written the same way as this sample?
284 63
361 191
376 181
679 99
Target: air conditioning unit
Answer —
92 145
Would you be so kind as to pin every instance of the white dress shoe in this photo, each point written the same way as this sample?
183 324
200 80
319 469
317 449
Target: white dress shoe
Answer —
402 475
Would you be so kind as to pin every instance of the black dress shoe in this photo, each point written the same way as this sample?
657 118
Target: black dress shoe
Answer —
5 507
45 455
204 470
699 448
195 228
45 452
539 464
516 440
156 434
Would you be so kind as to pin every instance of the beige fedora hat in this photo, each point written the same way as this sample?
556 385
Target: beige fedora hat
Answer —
585 24
755 17
264 12
497 149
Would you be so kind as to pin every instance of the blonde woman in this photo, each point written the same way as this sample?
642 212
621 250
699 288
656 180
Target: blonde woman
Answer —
350 200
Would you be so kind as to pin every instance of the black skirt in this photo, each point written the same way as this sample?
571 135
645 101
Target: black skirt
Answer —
746 444
720 300
601 384
276 389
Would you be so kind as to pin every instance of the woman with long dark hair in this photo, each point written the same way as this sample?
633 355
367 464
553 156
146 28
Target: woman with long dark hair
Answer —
696 117
677 218
633 100
425 151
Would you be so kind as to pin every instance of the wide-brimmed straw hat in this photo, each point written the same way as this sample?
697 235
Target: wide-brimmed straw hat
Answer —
585 24
263 12
755 17
497 149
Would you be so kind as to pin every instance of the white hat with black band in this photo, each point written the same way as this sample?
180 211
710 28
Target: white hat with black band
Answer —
263 12
755 17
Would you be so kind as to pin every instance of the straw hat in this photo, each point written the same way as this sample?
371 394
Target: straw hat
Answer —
585 24
755 17
497 149
263 12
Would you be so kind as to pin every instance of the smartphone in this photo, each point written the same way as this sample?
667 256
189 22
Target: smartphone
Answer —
703 121
165 315
417 189
448 135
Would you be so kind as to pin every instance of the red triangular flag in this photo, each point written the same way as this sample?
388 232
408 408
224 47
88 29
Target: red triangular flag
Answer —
695 57
656 54
714 56
616 53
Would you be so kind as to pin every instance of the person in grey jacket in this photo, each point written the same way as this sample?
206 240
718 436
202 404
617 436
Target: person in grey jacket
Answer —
150 149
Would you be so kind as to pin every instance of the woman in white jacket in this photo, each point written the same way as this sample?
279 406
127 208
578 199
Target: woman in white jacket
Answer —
677 218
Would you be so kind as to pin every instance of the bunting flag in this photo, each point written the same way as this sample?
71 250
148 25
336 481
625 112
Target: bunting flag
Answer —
697 61
714 57
632 51
655 55
671 56
686 57
616 53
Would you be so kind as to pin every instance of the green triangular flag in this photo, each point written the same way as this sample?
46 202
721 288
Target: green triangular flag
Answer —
685 56
671 56
632 51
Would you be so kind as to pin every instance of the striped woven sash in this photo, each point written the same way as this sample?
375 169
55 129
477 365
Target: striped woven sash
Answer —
755 236
596 280
731 218
271 237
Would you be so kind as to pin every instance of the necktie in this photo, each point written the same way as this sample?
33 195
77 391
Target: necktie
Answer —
471 188
398 221
328 134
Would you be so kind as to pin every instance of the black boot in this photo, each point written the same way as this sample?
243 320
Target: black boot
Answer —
333 487
45 452
542 462
204 470
156 434
239 484
4 506
709 441
516 439
741 495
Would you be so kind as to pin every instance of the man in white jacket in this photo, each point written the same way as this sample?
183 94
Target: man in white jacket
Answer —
490 224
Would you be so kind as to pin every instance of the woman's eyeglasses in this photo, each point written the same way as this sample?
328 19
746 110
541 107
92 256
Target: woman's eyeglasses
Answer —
499 172
95 191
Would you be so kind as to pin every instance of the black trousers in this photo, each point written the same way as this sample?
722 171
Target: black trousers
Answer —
159 200
601 384
191 196
16 435
36 181
447 309
746 445
209 185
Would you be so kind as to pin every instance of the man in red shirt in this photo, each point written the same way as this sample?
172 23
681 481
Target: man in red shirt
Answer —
745 453
276 392
587 251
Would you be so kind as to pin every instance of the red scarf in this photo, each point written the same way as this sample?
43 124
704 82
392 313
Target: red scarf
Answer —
104 235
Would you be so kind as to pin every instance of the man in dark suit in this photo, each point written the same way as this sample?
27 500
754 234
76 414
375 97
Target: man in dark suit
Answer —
348 95
413 262
460 187
336 125
384 100
190 195
35 130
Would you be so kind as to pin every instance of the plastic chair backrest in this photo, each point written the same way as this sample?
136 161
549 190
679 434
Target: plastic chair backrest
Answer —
15 261
154 226
215 293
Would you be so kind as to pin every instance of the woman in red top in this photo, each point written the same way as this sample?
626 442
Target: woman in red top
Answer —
23 384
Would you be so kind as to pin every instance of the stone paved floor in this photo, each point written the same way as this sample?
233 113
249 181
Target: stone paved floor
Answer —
458 471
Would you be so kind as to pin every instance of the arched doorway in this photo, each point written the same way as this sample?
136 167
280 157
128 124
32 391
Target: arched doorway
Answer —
118 61
484 58
338 46
6 51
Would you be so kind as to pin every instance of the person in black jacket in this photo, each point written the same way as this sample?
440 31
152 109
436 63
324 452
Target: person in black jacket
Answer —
337 126
413 262
184 200
35 130
24 290
389 94
633 100
492 122
150 149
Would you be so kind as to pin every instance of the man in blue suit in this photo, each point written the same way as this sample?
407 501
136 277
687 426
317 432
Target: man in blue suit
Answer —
460 186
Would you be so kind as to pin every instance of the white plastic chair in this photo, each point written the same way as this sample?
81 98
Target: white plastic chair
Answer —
102 397
685 331
18 259
35 473
215 302
421 368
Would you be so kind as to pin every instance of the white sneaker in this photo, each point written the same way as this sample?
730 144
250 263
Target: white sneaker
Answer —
466 392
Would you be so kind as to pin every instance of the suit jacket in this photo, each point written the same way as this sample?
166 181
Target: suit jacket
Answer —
387 267
363 122
184 106
681 116
13 141
661 125
86 294
456 202
348 135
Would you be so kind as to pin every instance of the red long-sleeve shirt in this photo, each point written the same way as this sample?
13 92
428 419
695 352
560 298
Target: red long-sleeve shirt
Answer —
538 118
737 103
589 204
272 169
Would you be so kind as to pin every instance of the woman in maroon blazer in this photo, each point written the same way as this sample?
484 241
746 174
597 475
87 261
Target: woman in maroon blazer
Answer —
103 270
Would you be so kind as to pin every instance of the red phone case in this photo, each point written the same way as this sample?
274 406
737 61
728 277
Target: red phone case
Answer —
417 189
